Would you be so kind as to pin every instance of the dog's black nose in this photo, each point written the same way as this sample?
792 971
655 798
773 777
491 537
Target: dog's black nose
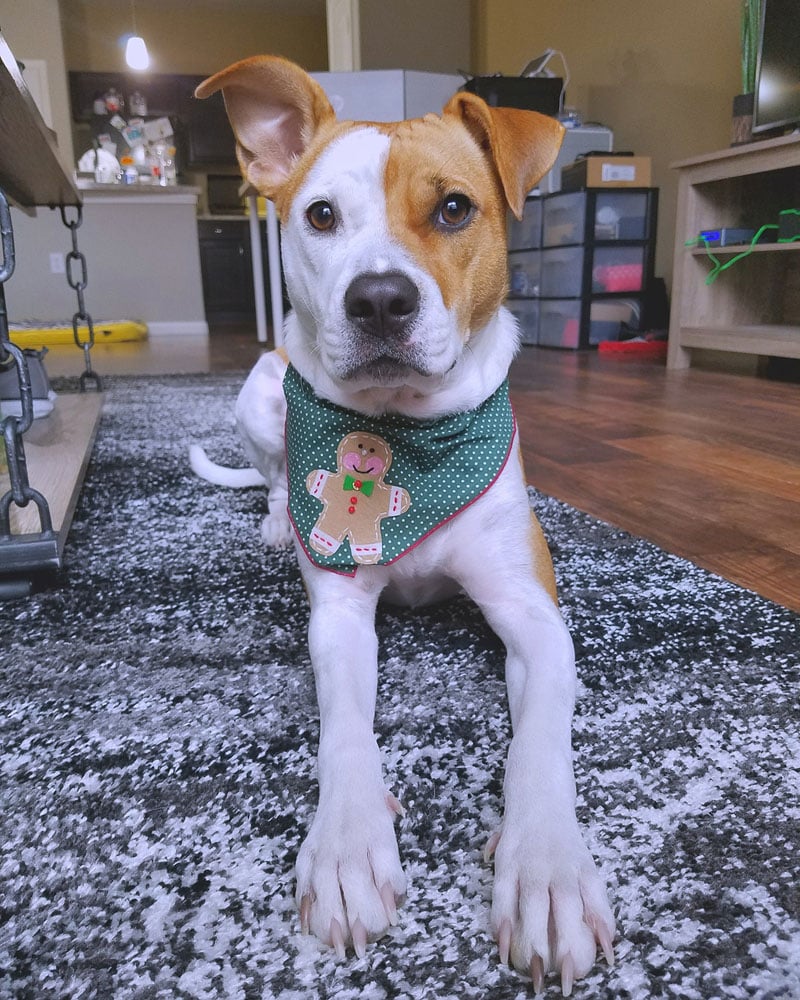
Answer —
382 305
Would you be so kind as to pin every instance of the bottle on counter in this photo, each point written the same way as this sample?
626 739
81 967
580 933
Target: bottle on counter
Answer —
114 101
137 104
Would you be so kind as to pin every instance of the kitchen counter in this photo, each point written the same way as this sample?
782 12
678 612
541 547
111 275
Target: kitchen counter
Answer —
135 190
140 194
142 259
225 217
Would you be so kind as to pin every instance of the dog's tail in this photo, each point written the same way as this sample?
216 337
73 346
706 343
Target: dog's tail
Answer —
221 475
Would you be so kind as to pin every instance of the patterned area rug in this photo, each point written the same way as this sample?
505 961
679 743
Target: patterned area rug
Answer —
159 730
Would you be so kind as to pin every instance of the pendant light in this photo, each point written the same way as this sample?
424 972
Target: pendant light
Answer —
136 54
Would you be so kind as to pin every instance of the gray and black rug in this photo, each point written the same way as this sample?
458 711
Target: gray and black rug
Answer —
159 731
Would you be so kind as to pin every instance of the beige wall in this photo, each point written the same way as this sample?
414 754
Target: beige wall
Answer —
197 37
434 37
661 75
33 31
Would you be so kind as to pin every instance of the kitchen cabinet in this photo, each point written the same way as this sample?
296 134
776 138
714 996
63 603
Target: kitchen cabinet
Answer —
202 130
207 136
227 270
160 90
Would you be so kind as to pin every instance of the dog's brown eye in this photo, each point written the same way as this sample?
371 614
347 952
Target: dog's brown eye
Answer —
455 210
321 216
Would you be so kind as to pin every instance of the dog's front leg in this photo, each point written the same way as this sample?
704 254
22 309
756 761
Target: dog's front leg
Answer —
549 906
349 876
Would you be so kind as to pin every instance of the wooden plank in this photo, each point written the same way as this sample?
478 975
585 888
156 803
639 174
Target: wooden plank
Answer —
715 477
781 341
736 248
731 464
735 160
57 450
30 171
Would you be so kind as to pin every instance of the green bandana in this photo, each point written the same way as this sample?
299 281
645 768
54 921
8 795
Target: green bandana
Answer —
365 490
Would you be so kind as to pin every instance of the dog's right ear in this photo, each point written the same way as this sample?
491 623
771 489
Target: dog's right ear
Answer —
275 109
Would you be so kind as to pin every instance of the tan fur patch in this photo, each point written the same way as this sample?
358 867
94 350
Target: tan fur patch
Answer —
540 552
542 563
428 159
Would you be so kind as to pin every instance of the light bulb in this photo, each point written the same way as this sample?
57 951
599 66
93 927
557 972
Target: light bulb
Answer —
136 55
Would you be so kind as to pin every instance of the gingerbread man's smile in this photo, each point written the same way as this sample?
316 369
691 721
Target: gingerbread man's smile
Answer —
373 466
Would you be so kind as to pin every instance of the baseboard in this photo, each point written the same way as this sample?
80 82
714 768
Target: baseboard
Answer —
189 328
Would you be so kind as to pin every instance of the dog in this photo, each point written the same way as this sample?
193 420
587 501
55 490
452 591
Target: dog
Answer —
405 481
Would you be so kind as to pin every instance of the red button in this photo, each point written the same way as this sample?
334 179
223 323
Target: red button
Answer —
357 484
353 499
351 510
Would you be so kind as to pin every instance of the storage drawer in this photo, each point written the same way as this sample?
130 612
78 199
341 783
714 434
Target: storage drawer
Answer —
614 215
563 219
562 272
524 272
526 234
621 215
561 322
618 269
526 312
607 316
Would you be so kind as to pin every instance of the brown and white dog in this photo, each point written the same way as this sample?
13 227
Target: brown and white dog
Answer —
393 240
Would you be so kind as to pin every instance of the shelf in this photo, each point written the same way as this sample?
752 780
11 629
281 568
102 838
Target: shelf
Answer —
746 247
781 341
756 308
30 171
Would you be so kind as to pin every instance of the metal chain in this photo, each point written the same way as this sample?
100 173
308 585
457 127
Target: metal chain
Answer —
78 284
21 492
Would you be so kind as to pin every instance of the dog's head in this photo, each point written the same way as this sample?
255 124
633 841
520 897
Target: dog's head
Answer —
393 235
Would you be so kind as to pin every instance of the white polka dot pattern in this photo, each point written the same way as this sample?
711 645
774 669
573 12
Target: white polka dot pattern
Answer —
444 464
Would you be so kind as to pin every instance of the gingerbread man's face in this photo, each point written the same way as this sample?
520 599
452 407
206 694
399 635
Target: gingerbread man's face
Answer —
364 455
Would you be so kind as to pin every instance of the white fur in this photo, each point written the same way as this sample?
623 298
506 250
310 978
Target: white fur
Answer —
549 907
221 475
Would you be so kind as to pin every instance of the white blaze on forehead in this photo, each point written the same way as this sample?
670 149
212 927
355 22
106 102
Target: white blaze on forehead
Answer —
349 171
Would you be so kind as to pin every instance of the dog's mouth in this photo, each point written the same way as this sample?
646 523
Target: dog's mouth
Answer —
386 369
383 369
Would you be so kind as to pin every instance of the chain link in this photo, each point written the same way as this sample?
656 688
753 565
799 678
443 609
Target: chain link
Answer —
21 492
78 284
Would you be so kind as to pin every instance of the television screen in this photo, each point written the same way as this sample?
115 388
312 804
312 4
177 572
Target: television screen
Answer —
777 99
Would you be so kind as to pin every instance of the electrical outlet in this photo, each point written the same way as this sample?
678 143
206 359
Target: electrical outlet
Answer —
57 265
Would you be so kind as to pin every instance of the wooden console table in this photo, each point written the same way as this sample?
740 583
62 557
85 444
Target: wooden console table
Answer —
754 307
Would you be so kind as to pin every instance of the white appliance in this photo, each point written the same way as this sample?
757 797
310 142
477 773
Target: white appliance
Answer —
584 139
387 95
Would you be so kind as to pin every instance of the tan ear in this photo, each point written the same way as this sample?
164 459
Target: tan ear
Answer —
523 144
275 108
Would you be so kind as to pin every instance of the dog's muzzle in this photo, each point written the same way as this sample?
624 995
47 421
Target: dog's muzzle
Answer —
382 306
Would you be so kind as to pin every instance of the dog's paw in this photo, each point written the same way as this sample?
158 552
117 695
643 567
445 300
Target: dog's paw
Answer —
276 530
549 908
349 877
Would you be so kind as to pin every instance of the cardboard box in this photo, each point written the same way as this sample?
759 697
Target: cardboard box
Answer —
606 171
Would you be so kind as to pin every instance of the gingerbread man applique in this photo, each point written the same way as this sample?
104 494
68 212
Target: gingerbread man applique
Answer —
356 498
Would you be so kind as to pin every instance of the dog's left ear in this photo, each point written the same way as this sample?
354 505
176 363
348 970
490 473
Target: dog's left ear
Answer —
523 144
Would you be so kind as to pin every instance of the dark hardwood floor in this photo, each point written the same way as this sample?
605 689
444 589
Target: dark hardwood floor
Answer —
705 464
